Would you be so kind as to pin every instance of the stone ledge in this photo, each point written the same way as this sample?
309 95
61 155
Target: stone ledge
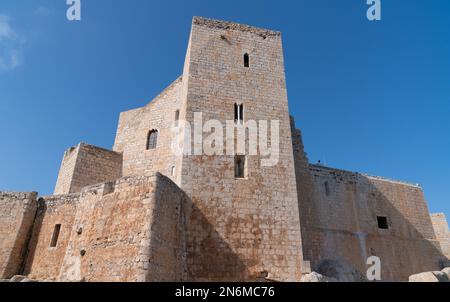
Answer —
212 23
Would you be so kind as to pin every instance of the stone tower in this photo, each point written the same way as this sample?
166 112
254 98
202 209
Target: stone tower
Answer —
239 228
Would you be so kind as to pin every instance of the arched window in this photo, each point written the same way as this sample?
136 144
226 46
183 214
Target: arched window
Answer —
246 60
152 139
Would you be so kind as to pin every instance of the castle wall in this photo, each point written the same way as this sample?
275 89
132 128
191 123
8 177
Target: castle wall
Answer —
44 260
66 171
442 232
128 230
239 229
17 213
340 224
133 129
87 165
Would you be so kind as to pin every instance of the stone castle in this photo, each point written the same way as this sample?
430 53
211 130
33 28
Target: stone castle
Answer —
143 213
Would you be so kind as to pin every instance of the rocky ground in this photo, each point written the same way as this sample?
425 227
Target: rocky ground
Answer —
344 276
21 279
335 276
442 276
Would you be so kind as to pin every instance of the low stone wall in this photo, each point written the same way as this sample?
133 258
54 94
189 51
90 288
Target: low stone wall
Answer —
128 230
17 213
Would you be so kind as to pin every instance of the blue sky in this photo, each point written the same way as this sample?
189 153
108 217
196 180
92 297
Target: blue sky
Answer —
371 97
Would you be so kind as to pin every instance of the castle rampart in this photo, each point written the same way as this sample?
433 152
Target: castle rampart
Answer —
353 216
442 232
17 213
86 165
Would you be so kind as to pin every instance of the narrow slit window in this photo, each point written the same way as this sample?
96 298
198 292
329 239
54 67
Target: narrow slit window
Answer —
152 140
383 223
327 188
177 116
55 236
240 166
246 60
239 113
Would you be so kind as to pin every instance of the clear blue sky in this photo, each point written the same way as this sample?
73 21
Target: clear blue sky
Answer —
371 97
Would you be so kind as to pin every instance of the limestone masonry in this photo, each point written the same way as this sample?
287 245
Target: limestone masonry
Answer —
142 212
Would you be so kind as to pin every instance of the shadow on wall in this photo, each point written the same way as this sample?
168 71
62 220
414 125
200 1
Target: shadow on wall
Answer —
350 217
18 253
166 249
209 257
35 232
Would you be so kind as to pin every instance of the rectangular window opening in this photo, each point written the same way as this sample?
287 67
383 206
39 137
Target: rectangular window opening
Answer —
239 114
327 188
55 236
383 223
240 167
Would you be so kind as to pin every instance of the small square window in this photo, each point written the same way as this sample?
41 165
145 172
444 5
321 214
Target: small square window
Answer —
383 223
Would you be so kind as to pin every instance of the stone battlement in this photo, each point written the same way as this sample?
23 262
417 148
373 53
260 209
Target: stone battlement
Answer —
18 195
316 167
219 24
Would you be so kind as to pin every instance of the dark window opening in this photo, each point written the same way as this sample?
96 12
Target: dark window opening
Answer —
239 166
246 60
55 235
177 116
327 188
239 113
383 223
152 139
